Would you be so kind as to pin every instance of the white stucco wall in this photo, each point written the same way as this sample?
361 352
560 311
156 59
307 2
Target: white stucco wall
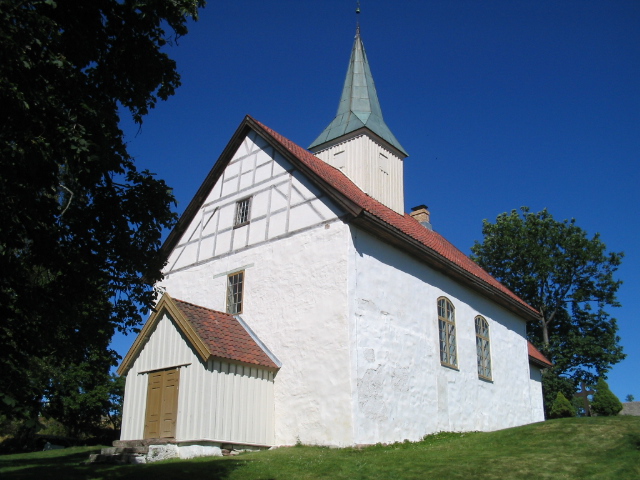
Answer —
295 301
535 387
217 400
294 254
402 390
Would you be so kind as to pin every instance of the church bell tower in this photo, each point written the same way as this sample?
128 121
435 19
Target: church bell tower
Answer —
358 141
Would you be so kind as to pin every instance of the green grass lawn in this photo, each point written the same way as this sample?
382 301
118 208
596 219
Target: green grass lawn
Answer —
577 448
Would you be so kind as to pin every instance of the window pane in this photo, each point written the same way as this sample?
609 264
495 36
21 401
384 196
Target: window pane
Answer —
447 332
243 208
235 286
483 349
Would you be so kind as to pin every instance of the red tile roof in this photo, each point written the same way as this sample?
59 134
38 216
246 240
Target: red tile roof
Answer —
223 335
404 224
536 356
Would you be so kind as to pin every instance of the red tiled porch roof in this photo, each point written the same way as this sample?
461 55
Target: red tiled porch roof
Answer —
212 334
223 335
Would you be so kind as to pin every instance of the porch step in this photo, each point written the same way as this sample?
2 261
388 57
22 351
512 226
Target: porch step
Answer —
123 452
142 443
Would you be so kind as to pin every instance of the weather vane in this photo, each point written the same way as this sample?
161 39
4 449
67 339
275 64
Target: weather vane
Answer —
358 16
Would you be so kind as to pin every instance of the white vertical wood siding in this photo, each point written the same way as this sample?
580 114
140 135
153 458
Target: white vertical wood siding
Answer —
217 401
381 177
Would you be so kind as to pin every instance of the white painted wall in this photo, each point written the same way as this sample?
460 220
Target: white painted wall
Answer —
295 302
535 387
402 390
217 400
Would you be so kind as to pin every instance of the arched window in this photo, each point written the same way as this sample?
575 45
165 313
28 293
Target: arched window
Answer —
447 329
483 348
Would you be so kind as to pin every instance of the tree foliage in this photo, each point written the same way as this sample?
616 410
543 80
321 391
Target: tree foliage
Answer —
568 277
562 408
84 398
604 402
81 225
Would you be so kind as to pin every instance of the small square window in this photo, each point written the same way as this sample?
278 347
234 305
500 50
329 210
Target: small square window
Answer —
243 212
235 290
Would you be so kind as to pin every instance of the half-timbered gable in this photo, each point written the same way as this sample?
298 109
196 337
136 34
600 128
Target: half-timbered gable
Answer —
280 202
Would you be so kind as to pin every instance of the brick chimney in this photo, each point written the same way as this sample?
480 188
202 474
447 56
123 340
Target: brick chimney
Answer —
422 215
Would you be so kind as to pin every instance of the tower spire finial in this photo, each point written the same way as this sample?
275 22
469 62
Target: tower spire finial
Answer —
358 17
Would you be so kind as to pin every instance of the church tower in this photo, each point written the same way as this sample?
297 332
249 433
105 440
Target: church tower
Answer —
358 141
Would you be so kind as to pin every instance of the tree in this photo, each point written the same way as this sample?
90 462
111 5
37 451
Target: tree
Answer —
568 278
81 225
562 407
605 403
629 398
84 399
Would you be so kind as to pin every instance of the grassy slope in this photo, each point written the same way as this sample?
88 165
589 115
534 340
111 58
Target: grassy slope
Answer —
585 448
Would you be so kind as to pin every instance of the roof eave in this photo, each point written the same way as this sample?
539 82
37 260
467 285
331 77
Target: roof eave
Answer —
348 205
539 363
354 133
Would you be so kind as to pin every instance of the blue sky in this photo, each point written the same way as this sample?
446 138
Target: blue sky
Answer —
500 104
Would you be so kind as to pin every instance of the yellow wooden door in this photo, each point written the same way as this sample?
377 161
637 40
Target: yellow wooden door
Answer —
162 404
169 410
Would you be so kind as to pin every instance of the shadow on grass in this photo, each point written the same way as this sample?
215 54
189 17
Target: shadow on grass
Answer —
72 467
634 439
10 461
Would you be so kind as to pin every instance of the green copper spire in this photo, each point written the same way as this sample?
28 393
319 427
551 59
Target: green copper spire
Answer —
359 106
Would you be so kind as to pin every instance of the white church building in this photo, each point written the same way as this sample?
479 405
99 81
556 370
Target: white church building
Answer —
303 304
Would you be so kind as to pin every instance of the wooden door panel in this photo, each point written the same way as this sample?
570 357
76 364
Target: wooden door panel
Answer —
162 404
169 404
154 405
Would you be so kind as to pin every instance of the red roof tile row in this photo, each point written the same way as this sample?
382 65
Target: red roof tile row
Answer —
223 335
